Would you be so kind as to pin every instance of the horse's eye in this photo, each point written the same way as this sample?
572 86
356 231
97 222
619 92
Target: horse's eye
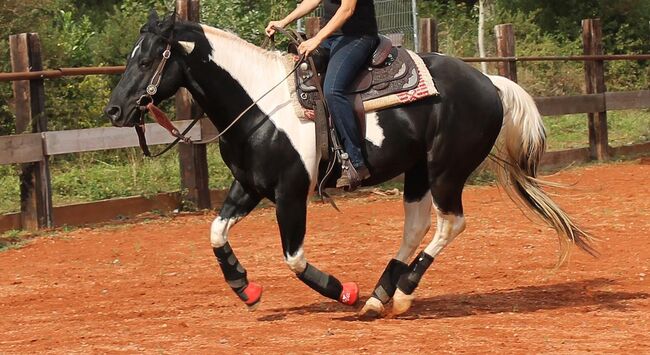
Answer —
146 63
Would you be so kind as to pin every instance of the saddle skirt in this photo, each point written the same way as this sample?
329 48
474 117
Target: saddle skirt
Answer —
395 77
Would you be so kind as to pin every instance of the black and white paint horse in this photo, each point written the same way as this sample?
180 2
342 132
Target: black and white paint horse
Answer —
436 142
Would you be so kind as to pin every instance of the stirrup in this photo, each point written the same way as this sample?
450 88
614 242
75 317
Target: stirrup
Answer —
351 178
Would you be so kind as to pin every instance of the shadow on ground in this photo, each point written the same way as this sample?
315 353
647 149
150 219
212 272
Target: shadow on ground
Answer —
528 299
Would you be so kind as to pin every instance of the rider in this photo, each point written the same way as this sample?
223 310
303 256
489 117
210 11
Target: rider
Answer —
350 33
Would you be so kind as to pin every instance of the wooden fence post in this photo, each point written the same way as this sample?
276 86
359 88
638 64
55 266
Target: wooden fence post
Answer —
428 35
35 188
592 38
193 159
505 35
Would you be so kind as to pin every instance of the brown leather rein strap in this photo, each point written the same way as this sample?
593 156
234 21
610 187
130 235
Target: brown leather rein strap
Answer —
162 119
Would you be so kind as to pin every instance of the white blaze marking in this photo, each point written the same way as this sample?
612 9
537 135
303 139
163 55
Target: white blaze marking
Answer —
137 47
374 133
257 71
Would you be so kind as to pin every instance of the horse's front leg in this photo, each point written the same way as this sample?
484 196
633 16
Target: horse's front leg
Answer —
291 214
239 202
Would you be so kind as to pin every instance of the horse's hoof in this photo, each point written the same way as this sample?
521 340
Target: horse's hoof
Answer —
401 302
350 293
372 309
253 307
253 294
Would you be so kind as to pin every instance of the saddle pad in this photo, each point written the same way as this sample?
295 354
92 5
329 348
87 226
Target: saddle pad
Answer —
425 88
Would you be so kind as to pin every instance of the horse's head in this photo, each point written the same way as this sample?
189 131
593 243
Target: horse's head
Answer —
154 71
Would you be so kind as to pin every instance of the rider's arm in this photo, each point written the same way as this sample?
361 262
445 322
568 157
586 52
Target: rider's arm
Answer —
338 20
305 7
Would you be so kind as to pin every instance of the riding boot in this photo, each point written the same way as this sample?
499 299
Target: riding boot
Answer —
351 177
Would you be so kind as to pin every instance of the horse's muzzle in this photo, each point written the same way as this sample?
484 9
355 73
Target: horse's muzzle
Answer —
114 113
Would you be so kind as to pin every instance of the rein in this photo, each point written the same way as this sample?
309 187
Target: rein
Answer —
166 123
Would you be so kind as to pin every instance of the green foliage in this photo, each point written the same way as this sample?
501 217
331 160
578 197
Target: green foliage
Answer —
625 22
243 17
551 28
543 78
457 28
9 189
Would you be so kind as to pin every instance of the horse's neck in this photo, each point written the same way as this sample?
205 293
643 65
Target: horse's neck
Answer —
255 69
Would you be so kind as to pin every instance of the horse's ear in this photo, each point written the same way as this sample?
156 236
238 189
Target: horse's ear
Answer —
188 47
153 17
152 22
167 27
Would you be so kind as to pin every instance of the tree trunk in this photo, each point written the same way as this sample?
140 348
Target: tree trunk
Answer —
481 33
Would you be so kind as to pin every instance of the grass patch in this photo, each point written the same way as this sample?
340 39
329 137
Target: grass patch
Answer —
96 176
13 239
9 189
624 127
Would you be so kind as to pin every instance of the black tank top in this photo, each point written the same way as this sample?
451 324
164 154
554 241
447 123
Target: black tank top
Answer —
362 22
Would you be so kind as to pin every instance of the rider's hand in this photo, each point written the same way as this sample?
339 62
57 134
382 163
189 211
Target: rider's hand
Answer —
308 46
269 28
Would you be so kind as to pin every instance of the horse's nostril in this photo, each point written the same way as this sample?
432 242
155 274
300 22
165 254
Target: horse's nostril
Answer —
113 112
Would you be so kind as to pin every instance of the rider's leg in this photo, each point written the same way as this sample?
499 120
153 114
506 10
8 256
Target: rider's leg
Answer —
348 55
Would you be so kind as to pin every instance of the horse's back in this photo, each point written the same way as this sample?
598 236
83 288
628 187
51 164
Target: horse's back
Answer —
461 83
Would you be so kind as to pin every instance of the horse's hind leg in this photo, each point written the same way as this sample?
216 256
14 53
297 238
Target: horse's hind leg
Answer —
450 223
237 205
417 221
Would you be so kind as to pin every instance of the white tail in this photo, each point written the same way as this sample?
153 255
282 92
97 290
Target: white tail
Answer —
519 150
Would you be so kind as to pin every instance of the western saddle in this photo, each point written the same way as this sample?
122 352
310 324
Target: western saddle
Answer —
390 71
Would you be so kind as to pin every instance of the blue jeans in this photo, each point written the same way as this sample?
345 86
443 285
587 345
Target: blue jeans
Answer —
348 56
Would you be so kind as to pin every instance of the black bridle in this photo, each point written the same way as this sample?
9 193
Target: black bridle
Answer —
152 88
146 99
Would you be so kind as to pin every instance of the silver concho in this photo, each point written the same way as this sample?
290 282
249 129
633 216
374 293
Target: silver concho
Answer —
152 89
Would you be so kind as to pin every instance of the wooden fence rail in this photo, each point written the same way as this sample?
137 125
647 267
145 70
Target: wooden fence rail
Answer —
34 145
68 72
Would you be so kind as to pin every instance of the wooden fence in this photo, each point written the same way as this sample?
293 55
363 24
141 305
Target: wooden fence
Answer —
32 146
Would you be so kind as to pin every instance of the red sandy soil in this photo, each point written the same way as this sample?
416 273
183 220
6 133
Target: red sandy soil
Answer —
153 286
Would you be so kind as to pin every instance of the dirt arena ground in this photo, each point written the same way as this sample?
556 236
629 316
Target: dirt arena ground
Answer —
154 286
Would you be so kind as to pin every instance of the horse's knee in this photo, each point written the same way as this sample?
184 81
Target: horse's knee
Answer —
416 231
296 262
417 217
459 225
219 231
